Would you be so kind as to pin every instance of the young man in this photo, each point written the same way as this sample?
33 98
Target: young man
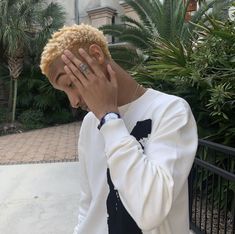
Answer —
136 145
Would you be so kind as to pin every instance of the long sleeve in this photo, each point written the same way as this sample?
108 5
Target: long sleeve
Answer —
148 181
84 190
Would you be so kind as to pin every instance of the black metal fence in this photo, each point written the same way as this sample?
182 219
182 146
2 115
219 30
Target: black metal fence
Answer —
212 189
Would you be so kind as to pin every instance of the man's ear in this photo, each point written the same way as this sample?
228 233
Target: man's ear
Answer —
96 52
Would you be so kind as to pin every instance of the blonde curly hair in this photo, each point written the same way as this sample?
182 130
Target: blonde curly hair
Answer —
72 38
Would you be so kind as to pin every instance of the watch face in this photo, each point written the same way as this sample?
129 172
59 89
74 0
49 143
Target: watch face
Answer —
111 116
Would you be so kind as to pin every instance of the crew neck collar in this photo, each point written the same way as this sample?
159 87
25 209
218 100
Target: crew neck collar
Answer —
125 108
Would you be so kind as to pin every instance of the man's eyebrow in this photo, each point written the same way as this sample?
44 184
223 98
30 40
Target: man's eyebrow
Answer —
58 77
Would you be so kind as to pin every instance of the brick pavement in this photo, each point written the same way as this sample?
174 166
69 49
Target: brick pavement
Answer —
51 144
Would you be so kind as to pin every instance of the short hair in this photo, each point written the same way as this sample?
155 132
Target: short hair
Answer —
72 38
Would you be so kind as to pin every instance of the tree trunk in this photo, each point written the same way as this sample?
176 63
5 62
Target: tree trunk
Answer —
15 66
14 101
10 98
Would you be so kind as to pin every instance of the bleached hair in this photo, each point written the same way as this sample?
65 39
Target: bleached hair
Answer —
72 38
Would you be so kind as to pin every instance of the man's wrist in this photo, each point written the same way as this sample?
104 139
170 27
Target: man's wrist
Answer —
108 110
108 117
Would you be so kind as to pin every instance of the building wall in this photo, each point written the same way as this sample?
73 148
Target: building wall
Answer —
83 6
80 15
86 6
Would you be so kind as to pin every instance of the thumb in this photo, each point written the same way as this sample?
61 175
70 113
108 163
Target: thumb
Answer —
112 75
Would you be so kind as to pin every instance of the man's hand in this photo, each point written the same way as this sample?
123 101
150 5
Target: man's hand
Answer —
98 91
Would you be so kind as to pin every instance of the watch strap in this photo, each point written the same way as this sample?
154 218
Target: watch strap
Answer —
103 119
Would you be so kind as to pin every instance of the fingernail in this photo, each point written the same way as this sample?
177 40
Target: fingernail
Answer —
67 52
81 50
63 57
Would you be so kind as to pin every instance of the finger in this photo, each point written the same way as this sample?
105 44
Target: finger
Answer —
84 69
91 62
72 61
112 75
69 57
74 70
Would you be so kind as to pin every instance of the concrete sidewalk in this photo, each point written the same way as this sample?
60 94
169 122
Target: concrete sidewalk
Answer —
39 198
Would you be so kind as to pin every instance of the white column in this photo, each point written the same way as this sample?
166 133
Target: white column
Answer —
101 16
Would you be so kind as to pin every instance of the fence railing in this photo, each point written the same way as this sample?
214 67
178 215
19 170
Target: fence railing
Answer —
212 189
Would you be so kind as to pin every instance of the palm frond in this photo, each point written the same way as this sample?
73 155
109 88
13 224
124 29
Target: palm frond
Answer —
56 13
136 37
126 56
126 33
153 13
114 30
196 18
132 22
50 19
140 8
179 16
168 59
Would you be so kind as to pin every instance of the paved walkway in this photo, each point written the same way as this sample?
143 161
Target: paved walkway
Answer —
51 144
39 198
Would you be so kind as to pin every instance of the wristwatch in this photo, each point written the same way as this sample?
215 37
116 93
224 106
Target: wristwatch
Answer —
107 117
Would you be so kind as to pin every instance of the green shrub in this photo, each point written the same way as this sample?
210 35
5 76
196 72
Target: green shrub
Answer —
32 119
204 76
36 93
59 117
4 115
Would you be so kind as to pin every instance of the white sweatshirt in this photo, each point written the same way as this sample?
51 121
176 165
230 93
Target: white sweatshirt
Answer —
149 153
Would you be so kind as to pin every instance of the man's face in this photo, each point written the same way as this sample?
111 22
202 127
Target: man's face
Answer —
59 80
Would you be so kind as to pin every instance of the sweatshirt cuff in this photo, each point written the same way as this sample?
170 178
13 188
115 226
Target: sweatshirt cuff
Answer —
114 131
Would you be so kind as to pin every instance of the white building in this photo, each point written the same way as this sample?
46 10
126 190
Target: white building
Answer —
94 12
100 12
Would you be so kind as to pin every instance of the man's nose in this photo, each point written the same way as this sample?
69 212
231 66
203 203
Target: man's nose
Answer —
75 105
74 101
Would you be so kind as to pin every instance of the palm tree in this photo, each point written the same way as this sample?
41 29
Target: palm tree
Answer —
170 59
164 19
21 22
